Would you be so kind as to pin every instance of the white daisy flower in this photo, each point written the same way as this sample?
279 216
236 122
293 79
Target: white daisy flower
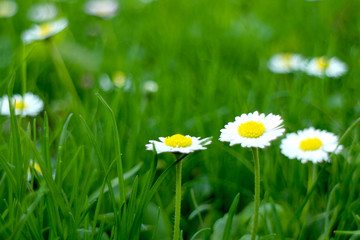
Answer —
42 12
29 105
310 145
34 166
43 31
150 86
105 82
253 130
322 66
119 79
101 8
8 9
286 63
178 143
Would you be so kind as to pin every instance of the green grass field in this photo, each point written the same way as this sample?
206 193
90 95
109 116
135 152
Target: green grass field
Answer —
209 59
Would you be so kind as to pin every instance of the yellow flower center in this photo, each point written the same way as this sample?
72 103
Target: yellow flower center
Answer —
119 79
101 12
286 58
322 63
251 129
178 141
20 105
36 167
45 29
310 144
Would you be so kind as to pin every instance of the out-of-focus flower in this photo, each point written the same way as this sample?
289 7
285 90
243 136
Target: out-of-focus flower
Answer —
178 143
34 166
286 63
253 130
310 145
105 82
44 31
101 8
29 105
150 87
8 9
42 12
321 66
118 80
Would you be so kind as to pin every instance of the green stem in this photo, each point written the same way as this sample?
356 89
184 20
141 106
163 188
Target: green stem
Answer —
177 201
257 191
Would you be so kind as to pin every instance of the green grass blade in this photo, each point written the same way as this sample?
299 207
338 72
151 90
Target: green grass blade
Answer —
227 230
59 162
117 151
199 232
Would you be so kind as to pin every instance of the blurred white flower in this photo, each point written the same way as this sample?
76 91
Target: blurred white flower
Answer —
42 12
105 82
150 86
118 80
8 9
286 63
321 66
44 31
310 145
36 167
29 105
101 8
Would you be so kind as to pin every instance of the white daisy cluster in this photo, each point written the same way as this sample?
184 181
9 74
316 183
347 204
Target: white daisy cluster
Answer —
27 105
44 31
256 130
318 66
310 145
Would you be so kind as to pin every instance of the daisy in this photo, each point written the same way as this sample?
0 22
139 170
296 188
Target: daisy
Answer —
310 145
44 31
253 130
286 63
118 80
8 9
101 8
29 105
42 12
34 166
321 66
150 86
178 143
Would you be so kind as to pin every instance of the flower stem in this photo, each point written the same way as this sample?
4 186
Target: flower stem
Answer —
257 191
177 201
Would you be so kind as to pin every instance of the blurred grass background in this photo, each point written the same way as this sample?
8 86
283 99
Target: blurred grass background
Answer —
209 59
